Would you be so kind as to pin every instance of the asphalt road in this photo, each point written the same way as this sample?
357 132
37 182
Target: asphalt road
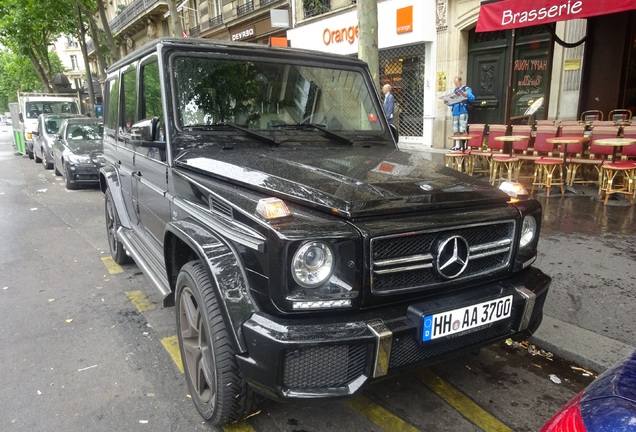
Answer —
87 346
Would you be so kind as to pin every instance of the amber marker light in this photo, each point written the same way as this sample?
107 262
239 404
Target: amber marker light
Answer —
272 208
516 191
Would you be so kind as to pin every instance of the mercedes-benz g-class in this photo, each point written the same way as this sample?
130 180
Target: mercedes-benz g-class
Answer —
262 192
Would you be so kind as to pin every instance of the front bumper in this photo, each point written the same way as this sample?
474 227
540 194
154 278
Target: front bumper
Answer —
320 358
84 173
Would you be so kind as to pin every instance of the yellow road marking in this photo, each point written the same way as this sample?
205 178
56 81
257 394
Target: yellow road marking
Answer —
241 426
171 344
141 302
378 415
112 266
469 409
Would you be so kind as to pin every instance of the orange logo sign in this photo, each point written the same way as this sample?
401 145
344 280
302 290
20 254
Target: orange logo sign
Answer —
404 20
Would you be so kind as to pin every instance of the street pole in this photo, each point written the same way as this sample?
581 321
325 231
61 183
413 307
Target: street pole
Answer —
368 37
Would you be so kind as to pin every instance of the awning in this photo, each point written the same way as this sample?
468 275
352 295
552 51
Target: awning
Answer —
509 14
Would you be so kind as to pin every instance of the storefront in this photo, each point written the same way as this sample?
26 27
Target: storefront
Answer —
407 44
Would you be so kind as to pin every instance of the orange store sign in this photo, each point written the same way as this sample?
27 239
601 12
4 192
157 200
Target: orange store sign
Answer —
404 21
349 34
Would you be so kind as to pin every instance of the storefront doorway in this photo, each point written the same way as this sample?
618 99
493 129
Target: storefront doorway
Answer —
489 68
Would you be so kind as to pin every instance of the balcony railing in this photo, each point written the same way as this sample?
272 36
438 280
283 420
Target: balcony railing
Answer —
245 8
195 30
130 13
266 2
316 7
216 21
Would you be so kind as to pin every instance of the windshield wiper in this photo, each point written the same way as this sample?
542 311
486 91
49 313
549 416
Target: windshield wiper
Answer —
341 138
249 132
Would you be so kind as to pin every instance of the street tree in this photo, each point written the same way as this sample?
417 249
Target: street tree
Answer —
18 74
28 27
368 36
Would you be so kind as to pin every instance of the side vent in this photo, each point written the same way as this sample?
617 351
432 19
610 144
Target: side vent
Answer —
221 208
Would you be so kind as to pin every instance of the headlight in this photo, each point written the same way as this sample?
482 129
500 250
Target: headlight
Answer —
75 159
528 231
312 264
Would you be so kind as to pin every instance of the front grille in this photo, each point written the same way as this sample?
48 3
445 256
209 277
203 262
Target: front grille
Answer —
406 262
323 367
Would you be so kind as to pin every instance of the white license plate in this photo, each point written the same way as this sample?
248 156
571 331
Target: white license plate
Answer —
458 320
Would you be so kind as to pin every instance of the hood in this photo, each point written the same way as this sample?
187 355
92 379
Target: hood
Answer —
81 147
350 181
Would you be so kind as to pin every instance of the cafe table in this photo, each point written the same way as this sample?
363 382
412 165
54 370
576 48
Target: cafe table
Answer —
459 158
565 141
616 143
509 140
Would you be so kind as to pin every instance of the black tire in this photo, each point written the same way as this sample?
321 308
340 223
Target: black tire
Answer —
30 153
67 179
57 172
116 247
45 164
37 159
218 390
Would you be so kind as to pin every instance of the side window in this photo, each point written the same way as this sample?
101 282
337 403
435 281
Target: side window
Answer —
112 95
130 98
151 91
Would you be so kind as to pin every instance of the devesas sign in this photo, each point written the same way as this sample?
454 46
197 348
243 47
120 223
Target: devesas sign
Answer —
562 11
349 34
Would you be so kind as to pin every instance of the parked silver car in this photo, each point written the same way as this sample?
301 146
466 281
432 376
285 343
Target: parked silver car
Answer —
47 130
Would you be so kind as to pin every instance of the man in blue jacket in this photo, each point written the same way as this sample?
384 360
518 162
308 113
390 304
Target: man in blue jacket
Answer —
459 110
389 102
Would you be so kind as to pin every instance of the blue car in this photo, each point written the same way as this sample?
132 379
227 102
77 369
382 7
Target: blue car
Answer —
607 405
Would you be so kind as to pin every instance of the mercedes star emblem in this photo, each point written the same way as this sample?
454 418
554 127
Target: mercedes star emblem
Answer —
452 257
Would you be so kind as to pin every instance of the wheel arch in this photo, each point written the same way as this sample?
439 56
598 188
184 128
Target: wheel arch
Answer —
109 179
187 240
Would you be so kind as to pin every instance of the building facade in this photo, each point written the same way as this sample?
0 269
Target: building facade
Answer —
557 71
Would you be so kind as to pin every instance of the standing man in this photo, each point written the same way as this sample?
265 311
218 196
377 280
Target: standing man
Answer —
389 102
459 110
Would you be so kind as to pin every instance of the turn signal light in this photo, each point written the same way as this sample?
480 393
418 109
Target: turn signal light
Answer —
272 208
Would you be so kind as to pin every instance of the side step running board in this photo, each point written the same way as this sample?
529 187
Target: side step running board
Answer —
146 261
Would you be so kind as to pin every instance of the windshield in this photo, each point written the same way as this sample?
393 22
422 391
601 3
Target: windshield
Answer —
85 131
52 125
34 109
269 96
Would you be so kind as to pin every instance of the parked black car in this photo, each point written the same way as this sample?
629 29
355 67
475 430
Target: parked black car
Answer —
78 151
46 134
261 190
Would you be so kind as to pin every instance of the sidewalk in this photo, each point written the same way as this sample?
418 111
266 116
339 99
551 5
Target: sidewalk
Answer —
573 343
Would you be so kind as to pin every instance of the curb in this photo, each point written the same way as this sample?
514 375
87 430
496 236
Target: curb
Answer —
582 347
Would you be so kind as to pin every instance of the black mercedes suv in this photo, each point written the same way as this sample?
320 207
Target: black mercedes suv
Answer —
261 191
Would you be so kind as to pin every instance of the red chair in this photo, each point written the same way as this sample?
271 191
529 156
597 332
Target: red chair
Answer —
477 156
629 151
596 155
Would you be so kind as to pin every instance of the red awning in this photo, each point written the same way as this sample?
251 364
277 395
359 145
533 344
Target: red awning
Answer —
509 14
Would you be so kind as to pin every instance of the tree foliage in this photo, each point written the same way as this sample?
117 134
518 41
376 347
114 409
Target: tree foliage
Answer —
18 74
28 27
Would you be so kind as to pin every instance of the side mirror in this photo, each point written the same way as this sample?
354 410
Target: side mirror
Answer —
145 133
21 117
35 133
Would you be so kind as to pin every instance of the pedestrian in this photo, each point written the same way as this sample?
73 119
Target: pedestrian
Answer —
459 110
389 102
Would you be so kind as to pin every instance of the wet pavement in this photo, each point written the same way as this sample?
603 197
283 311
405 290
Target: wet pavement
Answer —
589 250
